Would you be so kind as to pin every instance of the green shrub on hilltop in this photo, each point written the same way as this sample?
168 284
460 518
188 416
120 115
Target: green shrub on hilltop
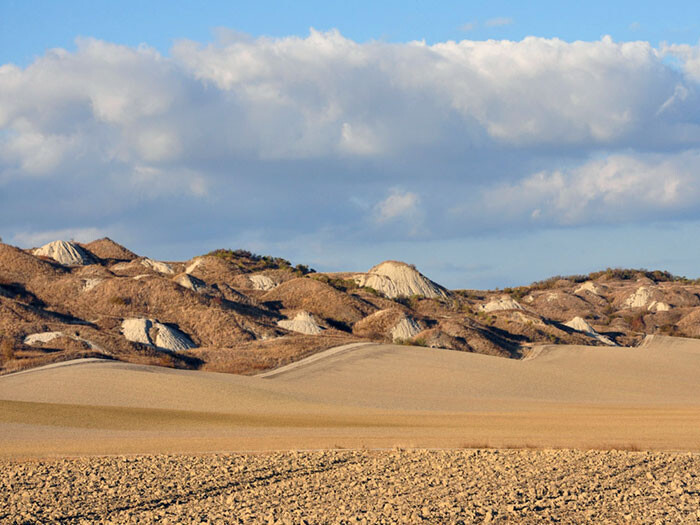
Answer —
252 262
620 274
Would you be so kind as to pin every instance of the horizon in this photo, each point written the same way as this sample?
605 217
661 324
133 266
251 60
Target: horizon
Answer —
574 277
490 145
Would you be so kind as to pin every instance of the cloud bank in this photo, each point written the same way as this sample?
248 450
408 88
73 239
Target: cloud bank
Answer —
274 138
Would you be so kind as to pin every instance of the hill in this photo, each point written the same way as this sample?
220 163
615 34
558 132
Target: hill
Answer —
232 310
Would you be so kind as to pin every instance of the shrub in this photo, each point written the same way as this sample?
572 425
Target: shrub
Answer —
251 262
120 301
517 293
342 285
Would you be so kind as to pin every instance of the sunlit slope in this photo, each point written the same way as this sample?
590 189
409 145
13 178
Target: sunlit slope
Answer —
663 372
365 396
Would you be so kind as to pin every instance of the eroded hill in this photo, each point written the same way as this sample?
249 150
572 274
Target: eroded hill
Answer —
234 311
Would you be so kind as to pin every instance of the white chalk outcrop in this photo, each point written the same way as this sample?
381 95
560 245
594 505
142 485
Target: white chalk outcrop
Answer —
303 322
47 337
89 284
504 303
151 332
581 325
158 266
261 282
66 253
43 337
191 283
588 286
398 279
643 297
406 328
193 265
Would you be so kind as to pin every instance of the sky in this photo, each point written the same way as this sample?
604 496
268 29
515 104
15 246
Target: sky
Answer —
492 144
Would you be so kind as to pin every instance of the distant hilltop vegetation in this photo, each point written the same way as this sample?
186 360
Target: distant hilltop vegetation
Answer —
238 312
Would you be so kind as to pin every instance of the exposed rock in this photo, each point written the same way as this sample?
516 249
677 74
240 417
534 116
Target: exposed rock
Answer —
260 281
580 324
171 338
379 325
89 284
405 329
66 253
46 337
504 303
644 297
158 266
43 337
398 279
588 287
658 306
303 322
151 332
193 265
191 283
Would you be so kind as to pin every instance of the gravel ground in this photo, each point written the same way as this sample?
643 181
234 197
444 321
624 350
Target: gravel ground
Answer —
344 486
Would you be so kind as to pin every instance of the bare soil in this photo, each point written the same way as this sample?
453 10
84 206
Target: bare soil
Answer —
357 486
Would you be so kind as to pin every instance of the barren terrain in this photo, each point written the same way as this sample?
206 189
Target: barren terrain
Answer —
569 434
338 486
237 312
364 396
341 402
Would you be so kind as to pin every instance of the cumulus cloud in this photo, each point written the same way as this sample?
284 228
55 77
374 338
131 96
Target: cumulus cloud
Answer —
400 213
616 188
398 204
247 132
326 95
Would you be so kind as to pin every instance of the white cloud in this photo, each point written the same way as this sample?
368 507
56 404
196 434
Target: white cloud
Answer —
617 188
498 22
251 131
398 204
325 95
401 211
468 26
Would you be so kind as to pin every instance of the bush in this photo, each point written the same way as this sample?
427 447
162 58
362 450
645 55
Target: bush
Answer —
251 262
120 301
517 293
343 285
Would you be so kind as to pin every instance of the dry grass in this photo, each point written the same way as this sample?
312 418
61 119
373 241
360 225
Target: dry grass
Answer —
320 299
257 356
7 351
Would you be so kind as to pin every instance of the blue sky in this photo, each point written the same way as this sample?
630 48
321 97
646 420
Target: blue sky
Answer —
29 27
519 140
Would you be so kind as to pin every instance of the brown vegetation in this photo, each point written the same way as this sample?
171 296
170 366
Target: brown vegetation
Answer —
7 350
226 314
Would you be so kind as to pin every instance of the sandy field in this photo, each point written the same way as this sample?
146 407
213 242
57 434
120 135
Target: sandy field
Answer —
618 416
372 396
